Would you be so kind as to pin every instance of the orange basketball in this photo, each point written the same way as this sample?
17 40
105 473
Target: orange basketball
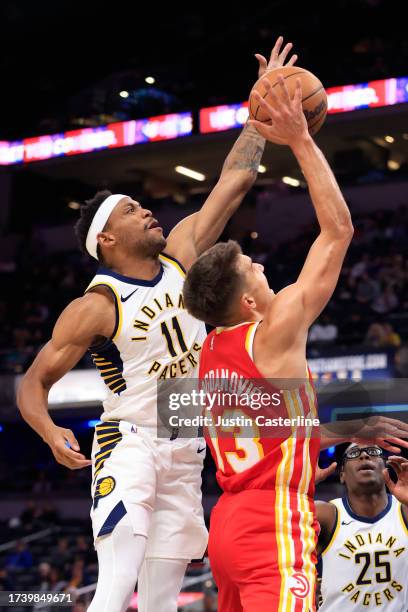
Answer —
314 98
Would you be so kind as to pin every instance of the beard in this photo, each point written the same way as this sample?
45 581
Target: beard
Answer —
149 246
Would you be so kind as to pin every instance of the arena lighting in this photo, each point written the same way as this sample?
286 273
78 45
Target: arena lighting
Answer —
254 235
389 139
392 164
150 80
85 140
92 423
1 428
74 205
288 180
197 176
342 99
262 169
124 93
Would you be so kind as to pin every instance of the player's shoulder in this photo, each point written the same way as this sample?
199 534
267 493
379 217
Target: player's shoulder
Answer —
92 312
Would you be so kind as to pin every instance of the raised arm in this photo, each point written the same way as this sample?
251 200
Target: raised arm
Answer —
320 272
77 328
199 231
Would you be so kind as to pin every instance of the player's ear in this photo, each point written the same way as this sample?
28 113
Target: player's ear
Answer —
106 239
248 302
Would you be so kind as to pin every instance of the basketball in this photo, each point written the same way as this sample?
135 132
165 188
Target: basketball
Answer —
314 98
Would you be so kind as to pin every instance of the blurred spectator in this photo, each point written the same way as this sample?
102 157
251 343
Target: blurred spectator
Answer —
61 555
386 301
382 335
391 338
375 335
6 582
42 485
29 516
401 362
20 557
324 330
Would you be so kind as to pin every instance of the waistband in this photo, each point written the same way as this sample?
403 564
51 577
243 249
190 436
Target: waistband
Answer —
128 427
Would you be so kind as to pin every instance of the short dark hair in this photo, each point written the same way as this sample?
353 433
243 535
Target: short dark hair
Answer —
212 283
87 213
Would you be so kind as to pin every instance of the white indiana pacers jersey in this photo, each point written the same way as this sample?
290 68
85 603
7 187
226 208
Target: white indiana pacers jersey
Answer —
365 565
154 338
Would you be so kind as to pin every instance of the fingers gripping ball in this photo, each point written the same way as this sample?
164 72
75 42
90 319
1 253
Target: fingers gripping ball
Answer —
314 98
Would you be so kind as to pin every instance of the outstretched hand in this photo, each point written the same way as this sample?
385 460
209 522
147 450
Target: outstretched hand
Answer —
287 121
400 488
277 58
323 473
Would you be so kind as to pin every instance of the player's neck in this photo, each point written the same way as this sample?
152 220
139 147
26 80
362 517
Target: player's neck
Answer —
368 504
144 268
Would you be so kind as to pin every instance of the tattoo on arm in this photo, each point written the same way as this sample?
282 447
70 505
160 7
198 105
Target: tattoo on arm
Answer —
246 154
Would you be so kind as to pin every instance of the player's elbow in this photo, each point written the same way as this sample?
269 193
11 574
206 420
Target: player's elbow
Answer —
341 233
347 229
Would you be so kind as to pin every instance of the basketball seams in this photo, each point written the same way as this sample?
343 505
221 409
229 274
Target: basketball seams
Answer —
257 112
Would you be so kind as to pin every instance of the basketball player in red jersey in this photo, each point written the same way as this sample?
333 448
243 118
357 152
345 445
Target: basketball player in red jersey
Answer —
263 531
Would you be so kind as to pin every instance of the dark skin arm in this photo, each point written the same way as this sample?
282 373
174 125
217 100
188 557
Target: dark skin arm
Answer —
400 488
326 513
80 325
199 231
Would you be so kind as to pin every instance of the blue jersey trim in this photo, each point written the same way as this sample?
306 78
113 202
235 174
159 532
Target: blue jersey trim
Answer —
113 519
366 519
133 281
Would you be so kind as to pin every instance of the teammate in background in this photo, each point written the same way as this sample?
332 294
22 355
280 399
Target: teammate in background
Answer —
364 535
146 491
263 533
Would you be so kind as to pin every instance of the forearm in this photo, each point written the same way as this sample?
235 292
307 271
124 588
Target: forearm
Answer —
331 209
245 156
32 401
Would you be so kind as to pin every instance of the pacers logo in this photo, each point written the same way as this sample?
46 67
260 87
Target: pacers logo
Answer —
104 486
300 585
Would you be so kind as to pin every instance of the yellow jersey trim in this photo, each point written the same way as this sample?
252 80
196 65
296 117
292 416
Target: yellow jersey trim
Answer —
118 305
174 263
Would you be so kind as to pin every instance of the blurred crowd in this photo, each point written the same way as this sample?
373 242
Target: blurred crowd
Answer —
368 307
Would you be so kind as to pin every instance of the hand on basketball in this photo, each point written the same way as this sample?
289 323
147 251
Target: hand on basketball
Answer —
277 58
323 473
288 123
400 488
65 448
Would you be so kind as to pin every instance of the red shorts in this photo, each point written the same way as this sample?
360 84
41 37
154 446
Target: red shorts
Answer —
262 554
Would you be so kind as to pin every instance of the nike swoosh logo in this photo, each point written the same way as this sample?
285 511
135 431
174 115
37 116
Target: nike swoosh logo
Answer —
124 299
200 450
344 522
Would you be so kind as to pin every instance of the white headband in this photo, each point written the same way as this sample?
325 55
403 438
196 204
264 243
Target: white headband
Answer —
99 221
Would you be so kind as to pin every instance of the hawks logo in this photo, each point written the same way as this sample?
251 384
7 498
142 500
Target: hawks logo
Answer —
104 486
300 585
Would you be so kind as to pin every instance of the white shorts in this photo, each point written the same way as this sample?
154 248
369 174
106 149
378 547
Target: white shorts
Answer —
157 482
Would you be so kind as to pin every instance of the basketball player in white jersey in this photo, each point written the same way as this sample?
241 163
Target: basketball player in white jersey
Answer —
364 535
146 491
